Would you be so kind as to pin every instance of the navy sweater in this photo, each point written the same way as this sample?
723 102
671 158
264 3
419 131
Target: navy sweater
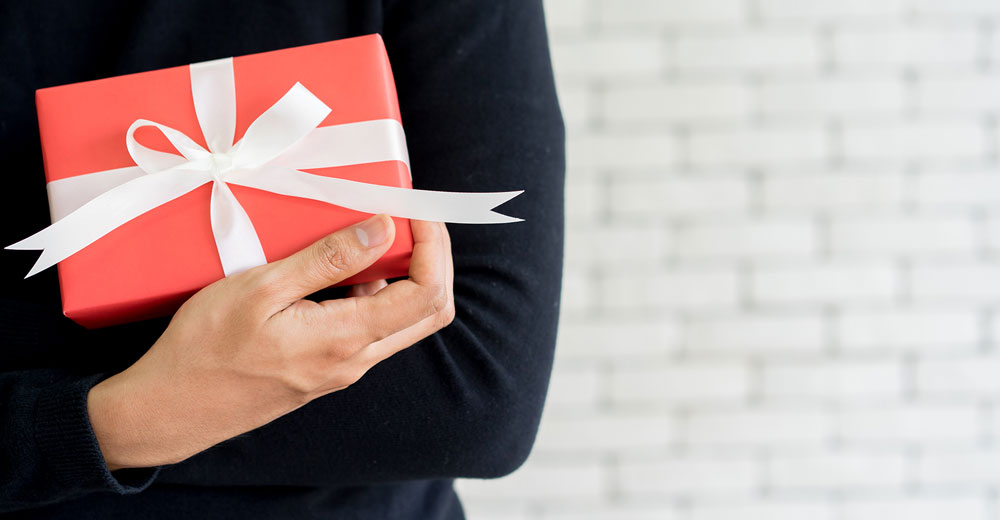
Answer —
478 104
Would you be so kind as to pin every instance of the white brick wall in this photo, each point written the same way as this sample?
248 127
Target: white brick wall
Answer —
782 287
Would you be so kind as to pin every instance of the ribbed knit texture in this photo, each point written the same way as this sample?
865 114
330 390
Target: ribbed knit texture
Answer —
67 444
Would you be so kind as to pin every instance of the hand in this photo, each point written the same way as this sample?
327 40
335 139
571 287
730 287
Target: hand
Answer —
249 349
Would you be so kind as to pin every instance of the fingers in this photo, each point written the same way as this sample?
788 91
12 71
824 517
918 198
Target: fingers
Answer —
404 303
386 347
329 260
392 344
367 288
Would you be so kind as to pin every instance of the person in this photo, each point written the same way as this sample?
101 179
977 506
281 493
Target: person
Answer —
257 400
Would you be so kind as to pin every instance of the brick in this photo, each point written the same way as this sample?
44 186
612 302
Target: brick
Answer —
814 97
837 471
957 190
966 377
611 245
760 239
678 289
830 283
825 11
917 508
676 196
680 383
667 13
616 152
953 424
970 93
919 140
688 476
604 432
617 57
584 200
617 340
764 510
750 334
688 103
876 47
901 329
833 192
956 282
902 234
993 332
578 291
960 467
484 509
576 104
935 9
576 480
618 511
832 380
776 428
575 388
566 15
732 52
750 147
992 234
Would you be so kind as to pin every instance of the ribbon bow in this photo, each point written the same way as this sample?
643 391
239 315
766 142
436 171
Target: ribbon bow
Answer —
285 139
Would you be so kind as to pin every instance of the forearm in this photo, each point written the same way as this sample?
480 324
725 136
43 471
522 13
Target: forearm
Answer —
431 411
142 418
48 452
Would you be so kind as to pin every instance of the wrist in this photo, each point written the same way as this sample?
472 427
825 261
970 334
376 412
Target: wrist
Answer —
124 431
109 418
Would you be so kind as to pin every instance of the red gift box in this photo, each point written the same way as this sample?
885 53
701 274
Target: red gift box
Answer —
149 265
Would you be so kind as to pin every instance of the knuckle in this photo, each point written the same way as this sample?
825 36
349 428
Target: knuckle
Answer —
333 255
447 315
437 298
301 385
335 355
262 276
349 376
262 285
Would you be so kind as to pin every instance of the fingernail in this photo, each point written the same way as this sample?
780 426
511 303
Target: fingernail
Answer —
372 232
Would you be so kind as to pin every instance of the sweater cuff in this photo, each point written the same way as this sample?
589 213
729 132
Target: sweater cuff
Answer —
69 448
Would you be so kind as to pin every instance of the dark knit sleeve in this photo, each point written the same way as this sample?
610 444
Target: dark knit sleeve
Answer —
480 112
48 450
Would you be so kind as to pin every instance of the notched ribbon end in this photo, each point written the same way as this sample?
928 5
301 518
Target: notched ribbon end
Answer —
504 197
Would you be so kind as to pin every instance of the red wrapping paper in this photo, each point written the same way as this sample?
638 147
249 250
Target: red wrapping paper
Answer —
150 265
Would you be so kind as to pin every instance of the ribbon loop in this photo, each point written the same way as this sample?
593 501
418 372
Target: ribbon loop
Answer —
214 90
152 161
296 114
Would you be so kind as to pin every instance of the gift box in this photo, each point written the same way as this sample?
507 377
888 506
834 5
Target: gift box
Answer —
162 182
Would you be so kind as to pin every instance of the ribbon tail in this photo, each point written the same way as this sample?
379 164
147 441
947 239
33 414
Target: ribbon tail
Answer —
438 206
235 237
68 194
101 215
350 143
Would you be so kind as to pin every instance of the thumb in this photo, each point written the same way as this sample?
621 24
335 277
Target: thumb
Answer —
331 259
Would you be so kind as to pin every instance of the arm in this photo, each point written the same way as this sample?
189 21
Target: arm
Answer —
48 451
480 112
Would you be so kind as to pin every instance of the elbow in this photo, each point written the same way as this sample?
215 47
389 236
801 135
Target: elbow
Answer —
502 439
501 415
501 370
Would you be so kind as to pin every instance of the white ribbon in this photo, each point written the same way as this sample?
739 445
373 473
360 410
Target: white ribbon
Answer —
286 138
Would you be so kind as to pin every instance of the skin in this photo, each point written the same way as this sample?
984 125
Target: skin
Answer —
248 348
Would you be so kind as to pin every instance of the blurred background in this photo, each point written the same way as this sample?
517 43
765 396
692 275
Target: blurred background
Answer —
782 282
